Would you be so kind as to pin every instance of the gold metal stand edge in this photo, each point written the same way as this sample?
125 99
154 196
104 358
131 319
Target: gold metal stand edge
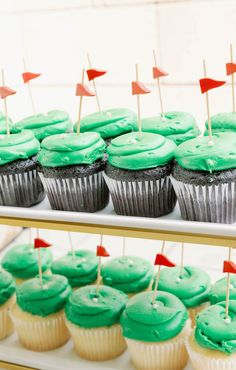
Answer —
11 366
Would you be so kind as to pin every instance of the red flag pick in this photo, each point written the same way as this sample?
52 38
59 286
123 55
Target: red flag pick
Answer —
102 252
159 72
139 88
230 68
83 90
229 267
208 84
40 243
27 76
6 91
162 260
94 73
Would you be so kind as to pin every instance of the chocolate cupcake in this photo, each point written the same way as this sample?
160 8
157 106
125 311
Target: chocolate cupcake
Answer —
137 174
20 184
43 125
71 169
204 178
222 122
176 126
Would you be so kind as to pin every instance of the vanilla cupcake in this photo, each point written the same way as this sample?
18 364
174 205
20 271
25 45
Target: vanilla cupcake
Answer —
93 321
7 300
218 290
155 333
38 315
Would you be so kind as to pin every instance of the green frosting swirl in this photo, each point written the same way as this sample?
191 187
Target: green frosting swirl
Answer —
43 302
71 149
134 152
22 145
130 274
7 286
222 122
213 331
177 126
88 309
141 320
197 154
109 123
217 292
43 125
191 288
22 261
80 271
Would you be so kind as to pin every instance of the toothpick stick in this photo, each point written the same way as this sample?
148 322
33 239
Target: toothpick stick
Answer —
40 264
30 236
30 91
228 288
138 104
232 78
5 106
80 106
71 245
124 246
94 85
99 268
208 108
158 86
182 260
157 276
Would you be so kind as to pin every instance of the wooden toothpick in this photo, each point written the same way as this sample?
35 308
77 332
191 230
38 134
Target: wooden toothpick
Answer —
40 264
30 91
71 245
80 106
99 268
228 288
138 105
5 106
157 276
94 85
182 260
232 78
159 86
208 109
124 246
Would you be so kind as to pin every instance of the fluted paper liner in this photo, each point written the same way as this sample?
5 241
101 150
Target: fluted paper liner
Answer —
98 344
194 311
6 325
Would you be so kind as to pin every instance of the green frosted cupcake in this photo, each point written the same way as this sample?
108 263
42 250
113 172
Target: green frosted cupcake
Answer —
7 300
3 129
217 292
222 122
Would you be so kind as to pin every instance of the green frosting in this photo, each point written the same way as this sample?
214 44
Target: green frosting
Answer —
3 129
22 261
191 288
136 152
130 274
141 320
43 125
222 122
213 331
71 149
197 154
88 309
22 145
80 271
217 292
109 123
34 299
7 286
177 126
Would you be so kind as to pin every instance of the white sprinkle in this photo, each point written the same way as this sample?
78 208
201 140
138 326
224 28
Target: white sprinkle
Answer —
155 306
210 143
95 299
109 114
228 320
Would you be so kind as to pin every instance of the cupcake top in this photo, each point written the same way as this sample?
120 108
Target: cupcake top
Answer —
22 261
3 128
177 126
21 145
80 271
130 274
136 152
7 286
71 149
43 125
141 320
52 298
88 309
213 331
217 292
191 288
222 122
110 122
197 154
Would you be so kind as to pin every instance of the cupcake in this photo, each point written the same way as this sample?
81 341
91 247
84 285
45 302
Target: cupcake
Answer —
222 122
38 314
217 292
204 178
80 270
129 274
71 169
155 333
138 174
22 262
93 321
109 123
212 344
192 287
176 126
7 300
20 185
43 125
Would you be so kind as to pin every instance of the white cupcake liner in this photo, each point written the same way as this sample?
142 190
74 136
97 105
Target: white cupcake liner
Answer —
147 198
168 355
40 333
80 194
194 311
204 359
6 325
98 344
208 203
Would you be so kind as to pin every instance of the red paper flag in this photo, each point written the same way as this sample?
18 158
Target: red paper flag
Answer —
158 72
101 251
83 90
40 243
139 88
94 73
208 84
27 76
6 91
229 267
162 260
230 68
